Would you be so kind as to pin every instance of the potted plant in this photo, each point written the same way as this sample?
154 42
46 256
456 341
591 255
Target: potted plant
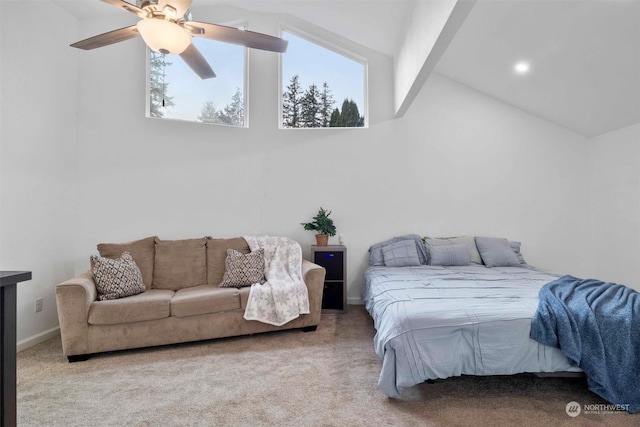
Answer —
323 225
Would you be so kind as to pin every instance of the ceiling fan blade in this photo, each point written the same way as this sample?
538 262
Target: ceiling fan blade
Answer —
194 59
106 39
180 6
236 36
128 7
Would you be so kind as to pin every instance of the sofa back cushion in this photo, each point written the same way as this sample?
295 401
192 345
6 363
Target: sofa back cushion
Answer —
217 254
142 251
180 263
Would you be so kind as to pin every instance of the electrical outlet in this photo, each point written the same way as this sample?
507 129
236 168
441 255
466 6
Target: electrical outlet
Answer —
38 305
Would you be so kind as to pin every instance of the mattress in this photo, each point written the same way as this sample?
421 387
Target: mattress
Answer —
437 322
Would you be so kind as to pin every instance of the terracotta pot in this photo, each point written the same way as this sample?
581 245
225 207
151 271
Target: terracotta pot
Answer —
322 239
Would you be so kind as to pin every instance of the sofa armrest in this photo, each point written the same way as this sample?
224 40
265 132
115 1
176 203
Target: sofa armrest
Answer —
74 298
313 276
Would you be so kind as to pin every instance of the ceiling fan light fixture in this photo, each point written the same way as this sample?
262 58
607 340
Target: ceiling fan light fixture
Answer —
522 67
175 9
163 36
166 27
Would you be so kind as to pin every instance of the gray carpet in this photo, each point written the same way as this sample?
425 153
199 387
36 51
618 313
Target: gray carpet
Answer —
290 378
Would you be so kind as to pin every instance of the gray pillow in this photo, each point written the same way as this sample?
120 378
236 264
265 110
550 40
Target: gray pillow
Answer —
468 241
243 269
449 255
515 246
496 252
116 278
375 251
401 254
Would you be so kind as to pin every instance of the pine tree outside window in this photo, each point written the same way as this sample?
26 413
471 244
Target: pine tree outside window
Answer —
176 92
321 88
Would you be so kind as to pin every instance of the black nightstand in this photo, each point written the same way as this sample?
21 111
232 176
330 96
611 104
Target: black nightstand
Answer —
334 259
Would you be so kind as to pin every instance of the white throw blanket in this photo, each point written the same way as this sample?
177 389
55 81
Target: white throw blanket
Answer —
283 297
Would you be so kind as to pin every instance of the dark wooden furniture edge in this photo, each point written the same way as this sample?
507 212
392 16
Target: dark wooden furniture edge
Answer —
8 292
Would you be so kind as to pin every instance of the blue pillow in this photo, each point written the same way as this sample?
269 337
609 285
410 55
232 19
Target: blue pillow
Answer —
515 246
401 254
468 241
375 251
449 255
496 252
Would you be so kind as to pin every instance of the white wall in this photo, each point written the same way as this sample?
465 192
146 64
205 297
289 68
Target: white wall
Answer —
38 155
480 167
615 205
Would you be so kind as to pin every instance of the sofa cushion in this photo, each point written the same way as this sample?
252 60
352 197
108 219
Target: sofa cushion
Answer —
180 264
150 305
142 251
217 254
116 278
243 269
203 300
244 296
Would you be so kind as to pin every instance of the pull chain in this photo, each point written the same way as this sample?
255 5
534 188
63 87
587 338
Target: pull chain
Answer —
163 76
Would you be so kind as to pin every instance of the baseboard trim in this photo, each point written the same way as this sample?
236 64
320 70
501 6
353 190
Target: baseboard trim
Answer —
354 301
37 339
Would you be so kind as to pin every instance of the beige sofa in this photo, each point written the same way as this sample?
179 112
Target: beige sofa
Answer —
182 301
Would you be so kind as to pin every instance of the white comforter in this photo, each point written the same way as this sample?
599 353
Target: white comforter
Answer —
283 297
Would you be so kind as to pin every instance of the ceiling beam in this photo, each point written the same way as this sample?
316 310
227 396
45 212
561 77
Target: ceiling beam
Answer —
430 29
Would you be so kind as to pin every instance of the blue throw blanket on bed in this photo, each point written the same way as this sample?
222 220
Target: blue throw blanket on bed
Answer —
597 326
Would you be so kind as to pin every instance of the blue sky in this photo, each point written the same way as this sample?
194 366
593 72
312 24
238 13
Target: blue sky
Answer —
312 63
315 64
190 92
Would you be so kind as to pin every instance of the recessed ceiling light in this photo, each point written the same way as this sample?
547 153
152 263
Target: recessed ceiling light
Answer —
522 67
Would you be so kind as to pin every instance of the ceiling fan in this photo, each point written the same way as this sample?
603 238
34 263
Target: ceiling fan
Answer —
166 27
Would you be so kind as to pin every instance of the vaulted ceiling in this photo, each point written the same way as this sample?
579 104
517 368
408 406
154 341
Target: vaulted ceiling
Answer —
584 59
584 55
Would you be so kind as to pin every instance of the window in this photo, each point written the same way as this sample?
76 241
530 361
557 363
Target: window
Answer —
320 87
176 92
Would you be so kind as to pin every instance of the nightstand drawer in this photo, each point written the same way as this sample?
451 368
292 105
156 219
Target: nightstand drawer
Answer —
332 261
332 297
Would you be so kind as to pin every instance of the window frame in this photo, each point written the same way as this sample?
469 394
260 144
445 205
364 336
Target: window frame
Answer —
240 24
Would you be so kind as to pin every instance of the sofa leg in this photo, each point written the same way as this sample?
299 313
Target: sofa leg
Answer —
309 328
78 358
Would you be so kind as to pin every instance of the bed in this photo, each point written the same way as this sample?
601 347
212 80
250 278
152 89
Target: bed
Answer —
467 317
